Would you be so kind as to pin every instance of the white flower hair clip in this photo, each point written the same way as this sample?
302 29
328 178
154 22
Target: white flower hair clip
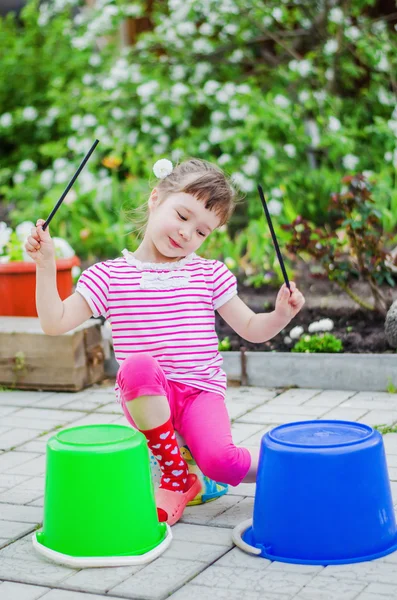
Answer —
162 168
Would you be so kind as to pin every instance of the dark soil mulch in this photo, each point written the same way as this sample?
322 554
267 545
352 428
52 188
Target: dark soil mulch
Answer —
360 331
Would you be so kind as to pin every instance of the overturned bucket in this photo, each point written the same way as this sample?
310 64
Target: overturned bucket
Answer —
99 505
323 496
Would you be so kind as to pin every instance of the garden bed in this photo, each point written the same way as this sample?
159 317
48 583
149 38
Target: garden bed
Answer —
360 331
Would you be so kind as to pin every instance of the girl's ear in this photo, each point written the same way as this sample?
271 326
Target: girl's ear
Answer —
153 198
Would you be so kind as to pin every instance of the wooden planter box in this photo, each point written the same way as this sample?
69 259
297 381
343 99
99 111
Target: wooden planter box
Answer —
31 360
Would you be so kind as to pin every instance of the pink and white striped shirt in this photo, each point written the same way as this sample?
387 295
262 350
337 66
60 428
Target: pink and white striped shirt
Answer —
166 310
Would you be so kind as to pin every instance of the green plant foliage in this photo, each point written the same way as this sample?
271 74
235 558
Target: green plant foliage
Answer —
325 342
292 95
351 245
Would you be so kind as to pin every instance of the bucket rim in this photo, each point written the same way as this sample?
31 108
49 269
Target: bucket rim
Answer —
82 562
272 434
242 537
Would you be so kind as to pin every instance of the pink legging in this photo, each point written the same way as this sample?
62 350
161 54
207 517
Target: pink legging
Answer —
200 417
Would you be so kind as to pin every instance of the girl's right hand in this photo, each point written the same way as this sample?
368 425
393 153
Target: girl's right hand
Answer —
40 246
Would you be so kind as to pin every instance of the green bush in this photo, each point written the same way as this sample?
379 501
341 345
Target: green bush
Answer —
325 342
274 93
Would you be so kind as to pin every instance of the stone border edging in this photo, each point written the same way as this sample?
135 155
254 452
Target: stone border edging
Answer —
359 372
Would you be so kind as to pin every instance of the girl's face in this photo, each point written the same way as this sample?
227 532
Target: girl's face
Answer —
179 224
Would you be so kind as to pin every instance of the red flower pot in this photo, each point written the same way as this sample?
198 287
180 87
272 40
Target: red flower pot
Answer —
18 286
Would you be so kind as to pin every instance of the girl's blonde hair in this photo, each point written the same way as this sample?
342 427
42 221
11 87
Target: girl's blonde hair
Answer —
200 178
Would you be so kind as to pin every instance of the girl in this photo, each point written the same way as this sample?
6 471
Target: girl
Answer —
161 302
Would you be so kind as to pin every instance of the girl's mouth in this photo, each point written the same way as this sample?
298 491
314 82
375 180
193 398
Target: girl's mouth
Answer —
174 243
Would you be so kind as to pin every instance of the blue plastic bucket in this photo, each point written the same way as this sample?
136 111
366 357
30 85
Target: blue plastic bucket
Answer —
323 495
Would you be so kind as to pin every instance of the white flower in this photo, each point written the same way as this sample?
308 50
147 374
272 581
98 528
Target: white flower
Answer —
206 29
243 89
210 87
60 163
303 96
46 178
322 325
230 29
202 46
5 234
224 158
334 124
287 340
117 113
277 14
27 166
178 90
329 74
162 168
186 28
251 166
353 33
303 67
312 131
388 156
75 272
383 64
275 207
109 83
216 135
76 122
70 197
88 79
62 248
230 262
23 230
276 193
19 178
290 150
95 60
296 332
331 47
268 149
176 154
320 95
89 121
244 183
61 177
6 120
238 114
281 101
147 89
178 72
217 116
236 56
336 15
29 113
392 125
350 161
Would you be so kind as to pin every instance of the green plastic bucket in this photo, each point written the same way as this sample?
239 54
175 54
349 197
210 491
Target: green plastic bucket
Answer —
99 504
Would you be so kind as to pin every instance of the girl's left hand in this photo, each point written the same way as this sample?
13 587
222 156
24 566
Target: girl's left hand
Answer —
288 304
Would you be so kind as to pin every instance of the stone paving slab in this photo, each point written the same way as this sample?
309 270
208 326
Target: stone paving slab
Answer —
202 561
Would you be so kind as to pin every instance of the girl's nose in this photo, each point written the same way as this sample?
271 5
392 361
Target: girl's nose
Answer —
185 234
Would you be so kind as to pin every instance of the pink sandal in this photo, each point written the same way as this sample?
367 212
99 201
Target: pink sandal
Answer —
170 505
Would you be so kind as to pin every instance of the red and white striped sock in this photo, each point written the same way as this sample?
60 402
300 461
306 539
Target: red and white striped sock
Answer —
162 442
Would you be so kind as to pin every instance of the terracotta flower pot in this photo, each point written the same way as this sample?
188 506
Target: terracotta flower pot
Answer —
18 286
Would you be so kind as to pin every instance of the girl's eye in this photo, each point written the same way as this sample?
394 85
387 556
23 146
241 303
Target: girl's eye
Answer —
180 216
201 233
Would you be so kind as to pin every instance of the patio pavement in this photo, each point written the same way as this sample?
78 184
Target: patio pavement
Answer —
202 562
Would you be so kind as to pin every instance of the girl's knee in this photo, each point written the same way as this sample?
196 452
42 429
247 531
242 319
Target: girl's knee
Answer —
227 465
138 370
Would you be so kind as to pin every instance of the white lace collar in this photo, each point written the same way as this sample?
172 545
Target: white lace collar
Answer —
169 266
